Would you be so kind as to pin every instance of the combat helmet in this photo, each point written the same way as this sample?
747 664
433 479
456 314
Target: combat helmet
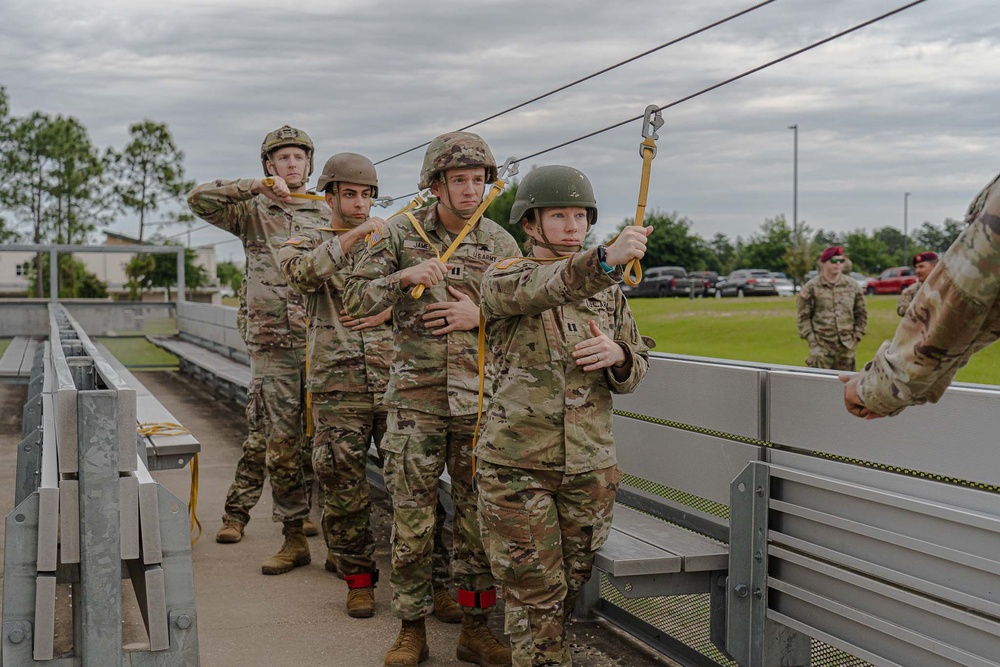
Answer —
348 168
553 186
456 150
286 135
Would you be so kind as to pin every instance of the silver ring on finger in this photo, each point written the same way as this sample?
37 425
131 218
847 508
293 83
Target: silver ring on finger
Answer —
598 356
445 321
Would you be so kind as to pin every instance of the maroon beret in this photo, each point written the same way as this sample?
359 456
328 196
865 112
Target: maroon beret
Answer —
832 251
925 257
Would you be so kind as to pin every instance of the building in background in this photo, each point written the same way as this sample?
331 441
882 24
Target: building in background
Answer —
109 267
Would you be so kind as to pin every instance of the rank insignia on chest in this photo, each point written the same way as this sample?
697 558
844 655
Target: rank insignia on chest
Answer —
572 328
456 272
295 240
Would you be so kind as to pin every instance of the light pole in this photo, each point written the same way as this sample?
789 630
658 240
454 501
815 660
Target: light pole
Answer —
906 239
795 182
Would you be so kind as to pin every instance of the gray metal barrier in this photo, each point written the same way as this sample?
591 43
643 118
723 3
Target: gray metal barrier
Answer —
85 507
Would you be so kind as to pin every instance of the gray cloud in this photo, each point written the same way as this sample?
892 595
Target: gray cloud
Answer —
906 105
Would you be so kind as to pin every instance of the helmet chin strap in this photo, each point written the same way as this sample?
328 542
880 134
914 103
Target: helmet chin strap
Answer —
339 210
557 249
448 205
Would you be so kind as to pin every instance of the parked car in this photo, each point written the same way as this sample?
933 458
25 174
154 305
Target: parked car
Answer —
784 285
709 279
747 282
861 279
663 281
892 281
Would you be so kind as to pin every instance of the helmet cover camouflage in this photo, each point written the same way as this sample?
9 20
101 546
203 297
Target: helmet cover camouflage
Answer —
456 150
553 186
286 135
348 168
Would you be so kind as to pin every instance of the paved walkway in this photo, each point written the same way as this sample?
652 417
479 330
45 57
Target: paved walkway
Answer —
247 619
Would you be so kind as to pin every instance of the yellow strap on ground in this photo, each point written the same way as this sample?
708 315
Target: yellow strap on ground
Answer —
170 428
495 190
269 182
633 270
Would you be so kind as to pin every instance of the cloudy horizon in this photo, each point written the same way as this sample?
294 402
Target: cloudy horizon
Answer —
902 106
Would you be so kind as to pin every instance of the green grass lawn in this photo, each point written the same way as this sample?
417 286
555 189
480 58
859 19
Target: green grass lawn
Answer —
4 342
763 329
138 353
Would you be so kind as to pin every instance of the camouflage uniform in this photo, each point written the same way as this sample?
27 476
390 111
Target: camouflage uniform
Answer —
905 297
955 314
275 326
547 472
432 400
832 317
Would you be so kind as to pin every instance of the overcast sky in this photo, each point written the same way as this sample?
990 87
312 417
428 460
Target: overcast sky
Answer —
907 105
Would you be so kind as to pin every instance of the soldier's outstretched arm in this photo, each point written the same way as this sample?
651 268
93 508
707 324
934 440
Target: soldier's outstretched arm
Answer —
225 204
374 284
527 287
308 262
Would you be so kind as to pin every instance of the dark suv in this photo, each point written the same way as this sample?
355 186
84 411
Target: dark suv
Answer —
708 281
747 282
662 281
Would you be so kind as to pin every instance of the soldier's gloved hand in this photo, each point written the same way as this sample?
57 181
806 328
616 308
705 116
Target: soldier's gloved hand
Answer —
630 244
851 399
598 352
428 273
277 192
459 315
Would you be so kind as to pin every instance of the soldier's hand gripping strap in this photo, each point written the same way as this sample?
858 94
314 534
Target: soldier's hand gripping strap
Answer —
477 599
269 182
647 150
363 580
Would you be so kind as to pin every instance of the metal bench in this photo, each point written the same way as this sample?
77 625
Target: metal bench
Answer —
18 359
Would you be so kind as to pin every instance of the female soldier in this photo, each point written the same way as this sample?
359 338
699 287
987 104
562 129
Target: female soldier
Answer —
563 339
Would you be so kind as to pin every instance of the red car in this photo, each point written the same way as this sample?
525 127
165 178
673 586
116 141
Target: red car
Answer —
892 281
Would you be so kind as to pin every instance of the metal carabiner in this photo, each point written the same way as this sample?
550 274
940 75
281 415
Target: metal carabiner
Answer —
507 169
651 122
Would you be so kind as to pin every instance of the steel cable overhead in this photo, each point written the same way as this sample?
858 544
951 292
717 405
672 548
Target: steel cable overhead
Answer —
669 105
676 40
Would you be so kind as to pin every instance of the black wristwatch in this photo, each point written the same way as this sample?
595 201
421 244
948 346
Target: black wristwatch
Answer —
602 257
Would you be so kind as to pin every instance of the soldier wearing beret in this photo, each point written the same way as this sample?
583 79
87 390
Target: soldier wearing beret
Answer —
954 315
831 314
924 263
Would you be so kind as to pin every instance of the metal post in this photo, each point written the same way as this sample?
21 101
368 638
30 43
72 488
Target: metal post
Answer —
906 239
795 180
53 276
180 275
100 531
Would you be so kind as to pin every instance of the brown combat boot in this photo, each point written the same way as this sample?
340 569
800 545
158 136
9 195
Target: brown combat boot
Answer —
230 533
410 648
478 644
294 552
446 609
309 528
361 594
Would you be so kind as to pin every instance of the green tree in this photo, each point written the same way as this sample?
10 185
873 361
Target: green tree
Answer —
76 183
800 256
671 243
895 244
75 281
867 253
721 254
136 271
164 273
766 250
149 172
230 275
939 239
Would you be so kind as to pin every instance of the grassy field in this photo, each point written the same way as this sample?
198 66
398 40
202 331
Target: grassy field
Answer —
138 353
763 329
